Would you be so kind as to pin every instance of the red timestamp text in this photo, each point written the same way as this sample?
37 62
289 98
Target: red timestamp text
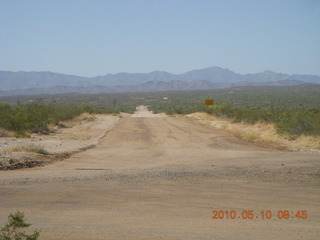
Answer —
264 214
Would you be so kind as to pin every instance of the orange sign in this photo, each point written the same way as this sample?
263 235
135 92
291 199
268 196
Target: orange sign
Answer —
209 102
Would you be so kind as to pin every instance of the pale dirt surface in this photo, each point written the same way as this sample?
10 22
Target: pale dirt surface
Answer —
158 177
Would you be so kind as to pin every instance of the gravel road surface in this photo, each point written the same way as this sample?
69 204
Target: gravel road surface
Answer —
159 177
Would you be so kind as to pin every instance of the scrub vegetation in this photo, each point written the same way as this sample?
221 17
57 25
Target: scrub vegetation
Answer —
293 110
15 228
35 117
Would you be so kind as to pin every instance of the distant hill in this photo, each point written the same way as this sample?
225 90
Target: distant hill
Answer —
28 83
151 86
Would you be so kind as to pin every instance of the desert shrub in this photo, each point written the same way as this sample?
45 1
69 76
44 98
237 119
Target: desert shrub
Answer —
287 121
5 115
4 106
14 228
223 110
292 122
36 117
245 115
299 122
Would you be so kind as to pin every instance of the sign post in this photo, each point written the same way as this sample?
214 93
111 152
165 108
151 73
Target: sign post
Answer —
208 102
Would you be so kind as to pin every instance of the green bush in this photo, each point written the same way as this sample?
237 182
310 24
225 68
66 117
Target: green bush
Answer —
293 122
36 117
299 122
289 121
14 228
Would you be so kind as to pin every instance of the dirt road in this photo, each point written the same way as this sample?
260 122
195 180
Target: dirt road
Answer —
158 177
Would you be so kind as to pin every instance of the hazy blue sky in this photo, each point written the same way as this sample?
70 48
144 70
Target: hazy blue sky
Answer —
92 37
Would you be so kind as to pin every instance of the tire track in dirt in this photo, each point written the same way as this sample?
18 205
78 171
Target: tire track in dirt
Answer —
159 177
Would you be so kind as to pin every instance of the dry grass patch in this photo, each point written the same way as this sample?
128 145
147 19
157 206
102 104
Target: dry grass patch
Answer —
28 148
262 133
247 135
6 133
84 117
306 142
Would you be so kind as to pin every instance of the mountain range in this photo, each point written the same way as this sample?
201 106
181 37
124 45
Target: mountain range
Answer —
32 83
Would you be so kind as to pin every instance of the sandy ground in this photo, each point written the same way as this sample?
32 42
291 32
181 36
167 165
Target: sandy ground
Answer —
158 177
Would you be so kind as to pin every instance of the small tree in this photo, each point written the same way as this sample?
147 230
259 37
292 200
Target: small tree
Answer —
13 230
